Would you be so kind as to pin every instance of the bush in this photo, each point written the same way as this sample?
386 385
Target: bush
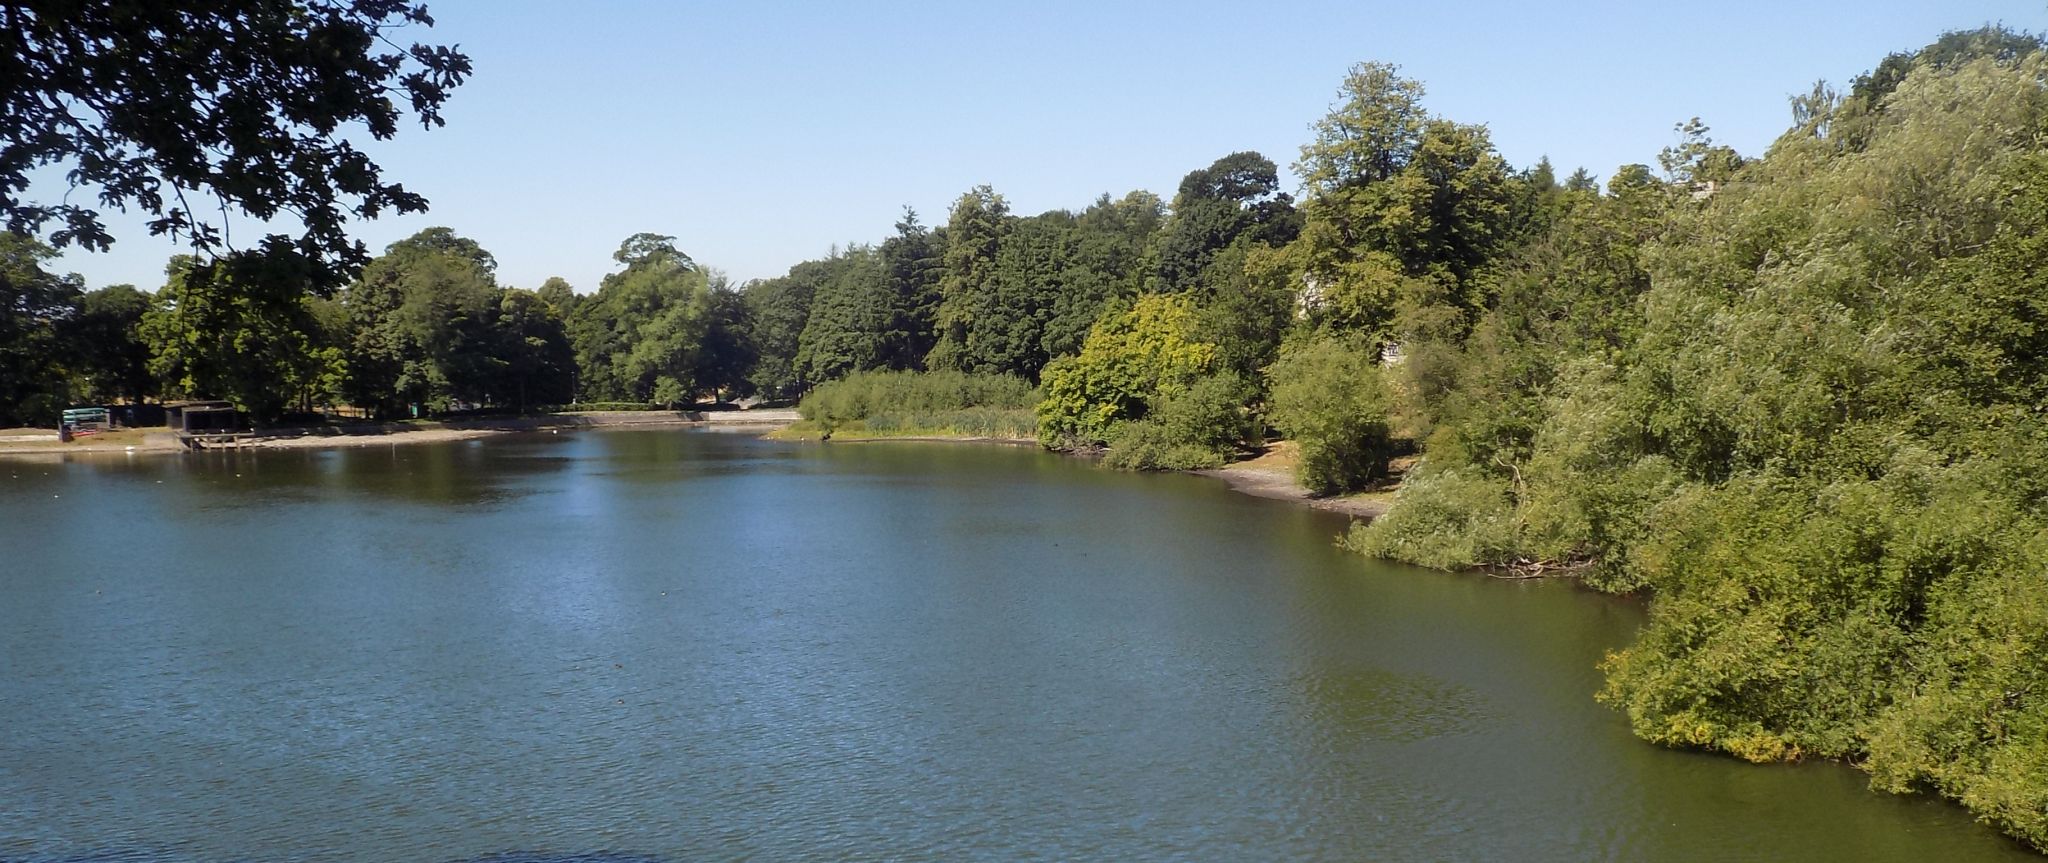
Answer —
907 403
1148 445
1194 430
1130 360
1328 395
1444 519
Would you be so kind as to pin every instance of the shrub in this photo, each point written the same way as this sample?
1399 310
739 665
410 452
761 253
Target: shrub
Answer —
1328 395
1443 519
1130 360
1150 445
902 402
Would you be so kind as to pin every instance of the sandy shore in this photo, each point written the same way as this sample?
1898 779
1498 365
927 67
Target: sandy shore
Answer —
1271 475
18 444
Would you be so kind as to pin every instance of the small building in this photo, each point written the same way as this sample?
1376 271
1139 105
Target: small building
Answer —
138 416
202 417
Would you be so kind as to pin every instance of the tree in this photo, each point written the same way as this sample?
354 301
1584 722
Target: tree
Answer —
33 304
645 326
1132 359
912 264
422 316
728 353
529 359
778 309
848 327
239 327
243 100
1236 195
1399 204
974 234
1329 397
104 344
558 295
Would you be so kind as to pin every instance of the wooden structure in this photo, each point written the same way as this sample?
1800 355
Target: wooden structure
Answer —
206 424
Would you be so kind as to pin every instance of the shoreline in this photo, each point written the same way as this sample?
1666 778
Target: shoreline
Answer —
1268 476
156 441
1244 478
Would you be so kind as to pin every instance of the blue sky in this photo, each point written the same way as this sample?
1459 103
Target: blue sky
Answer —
761 134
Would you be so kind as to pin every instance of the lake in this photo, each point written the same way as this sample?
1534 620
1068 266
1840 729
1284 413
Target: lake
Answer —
691 646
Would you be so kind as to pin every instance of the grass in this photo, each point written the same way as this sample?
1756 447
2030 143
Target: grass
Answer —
1006 426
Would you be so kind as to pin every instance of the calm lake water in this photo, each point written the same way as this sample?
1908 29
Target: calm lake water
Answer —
685 646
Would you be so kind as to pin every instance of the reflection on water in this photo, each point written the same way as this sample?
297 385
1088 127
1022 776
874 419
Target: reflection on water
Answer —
674 646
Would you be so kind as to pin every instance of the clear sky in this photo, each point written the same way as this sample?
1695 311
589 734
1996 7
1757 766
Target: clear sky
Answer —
760 134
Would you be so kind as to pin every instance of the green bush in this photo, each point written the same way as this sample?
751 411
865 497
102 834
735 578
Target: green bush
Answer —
912 403
1151 445
1130 360
1328 395
1197 429
1443 519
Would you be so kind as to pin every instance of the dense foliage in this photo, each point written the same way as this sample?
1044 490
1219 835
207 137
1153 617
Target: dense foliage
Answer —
1795 399
909 403
243 102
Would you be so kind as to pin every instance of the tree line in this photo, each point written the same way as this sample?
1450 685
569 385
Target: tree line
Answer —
1794 397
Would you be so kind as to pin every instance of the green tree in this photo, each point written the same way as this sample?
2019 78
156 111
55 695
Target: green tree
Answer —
1131 360
1399 204
912 263
105 347
1799 409
974 234
645 325
1237 195
243 100
778 309
529 361
728 354
33 305
423 319
558 294
848 326
241 328
1328 395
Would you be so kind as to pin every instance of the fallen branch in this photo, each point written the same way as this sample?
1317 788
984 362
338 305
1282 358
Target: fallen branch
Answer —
1523 569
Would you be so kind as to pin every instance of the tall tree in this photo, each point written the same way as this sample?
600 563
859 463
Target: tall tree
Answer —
728 353
559 295
848 327
33 304
1401 207
639 336
241 328
423 315
529 360
778 309
1239 193
974 234
104 345
912 264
